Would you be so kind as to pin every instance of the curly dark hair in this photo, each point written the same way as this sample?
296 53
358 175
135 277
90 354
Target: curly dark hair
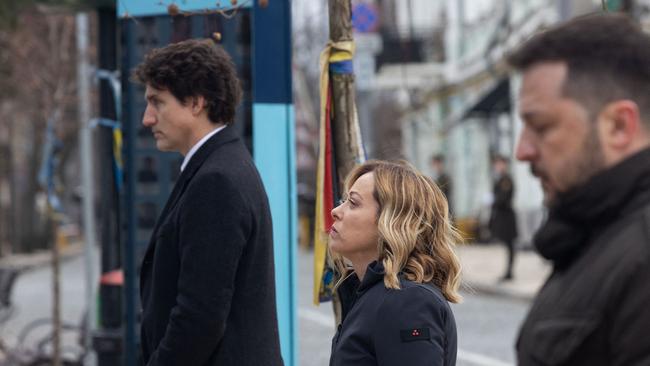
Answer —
607 55
194 68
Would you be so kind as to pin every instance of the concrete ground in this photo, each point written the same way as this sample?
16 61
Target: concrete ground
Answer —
483 265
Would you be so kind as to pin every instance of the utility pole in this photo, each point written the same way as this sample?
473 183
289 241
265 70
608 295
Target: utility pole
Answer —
340 136
85 151
345 124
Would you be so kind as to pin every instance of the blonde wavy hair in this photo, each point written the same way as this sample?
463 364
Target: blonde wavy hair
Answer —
416 236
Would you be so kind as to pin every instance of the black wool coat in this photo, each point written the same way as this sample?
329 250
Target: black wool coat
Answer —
594 310
383 327
207 279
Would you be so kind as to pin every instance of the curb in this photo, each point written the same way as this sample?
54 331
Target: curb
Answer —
31 261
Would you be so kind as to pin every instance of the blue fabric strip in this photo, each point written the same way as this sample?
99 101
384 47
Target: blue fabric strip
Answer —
342 67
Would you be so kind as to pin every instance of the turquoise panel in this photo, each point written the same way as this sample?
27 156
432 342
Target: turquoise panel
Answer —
139 8
274 153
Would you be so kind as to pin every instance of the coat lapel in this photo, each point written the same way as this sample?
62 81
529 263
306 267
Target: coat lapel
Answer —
226 135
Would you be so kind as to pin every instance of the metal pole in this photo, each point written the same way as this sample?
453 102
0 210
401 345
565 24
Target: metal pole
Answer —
56 289
85 137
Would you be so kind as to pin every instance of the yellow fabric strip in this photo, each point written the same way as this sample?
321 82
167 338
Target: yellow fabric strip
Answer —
320 243
333 52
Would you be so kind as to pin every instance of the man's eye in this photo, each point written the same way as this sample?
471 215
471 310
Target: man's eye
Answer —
540 129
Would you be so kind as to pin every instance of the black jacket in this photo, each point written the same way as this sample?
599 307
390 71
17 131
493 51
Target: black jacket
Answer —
207 279
411 326
595 308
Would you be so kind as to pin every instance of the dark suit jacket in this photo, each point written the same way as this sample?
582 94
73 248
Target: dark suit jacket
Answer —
207 280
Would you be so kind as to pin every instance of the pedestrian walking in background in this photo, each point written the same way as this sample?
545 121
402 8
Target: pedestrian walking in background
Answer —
503 221
394 229
585 105
207 278
441 177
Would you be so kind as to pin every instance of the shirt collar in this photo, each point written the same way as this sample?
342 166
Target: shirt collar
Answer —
198 145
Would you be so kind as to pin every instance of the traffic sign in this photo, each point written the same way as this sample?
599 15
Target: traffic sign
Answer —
365 18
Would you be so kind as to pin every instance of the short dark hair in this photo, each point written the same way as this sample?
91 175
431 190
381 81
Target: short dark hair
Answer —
194 68
607 56
440 158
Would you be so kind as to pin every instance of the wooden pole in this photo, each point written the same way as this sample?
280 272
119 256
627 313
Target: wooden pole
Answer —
344 121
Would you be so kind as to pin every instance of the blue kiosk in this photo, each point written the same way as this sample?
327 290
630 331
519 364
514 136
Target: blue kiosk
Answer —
257 36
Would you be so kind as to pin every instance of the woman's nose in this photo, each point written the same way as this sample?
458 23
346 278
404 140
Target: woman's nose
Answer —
336 213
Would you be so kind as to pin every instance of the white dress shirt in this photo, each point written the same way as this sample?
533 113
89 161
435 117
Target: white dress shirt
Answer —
198 145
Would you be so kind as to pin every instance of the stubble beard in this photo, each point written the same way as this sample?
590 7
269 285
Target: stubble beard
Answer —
589 162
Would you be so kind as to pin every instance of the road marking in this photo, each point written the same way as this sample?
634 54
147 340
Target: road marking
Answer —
479 359
316 317
467 356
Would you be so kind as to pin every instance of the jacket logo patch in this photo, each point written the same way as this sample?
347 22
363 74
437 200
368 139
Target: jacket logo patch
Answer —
414 334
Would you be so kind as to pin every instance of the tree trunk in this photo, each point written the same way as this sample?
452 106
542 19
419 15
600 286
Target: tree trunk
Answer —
344 119
345 129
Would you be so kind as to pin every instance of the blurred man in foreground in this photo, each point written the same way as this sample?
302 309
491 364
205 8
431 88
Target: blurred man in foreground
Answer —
585 103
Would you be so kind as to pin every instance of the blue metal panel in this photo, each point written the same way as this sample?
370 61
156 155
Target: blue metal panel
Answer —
129 264
274 152
272 129
138 8
272 52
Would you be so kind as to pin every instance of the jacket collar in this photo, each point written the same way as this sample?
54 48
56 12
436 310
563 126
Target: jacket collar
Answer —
224 136
582 211
374 273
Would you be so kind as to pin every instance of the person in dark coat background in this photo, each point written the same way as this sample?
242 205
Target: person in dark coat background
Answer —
207 281
442 178
503 221
586 109
394 227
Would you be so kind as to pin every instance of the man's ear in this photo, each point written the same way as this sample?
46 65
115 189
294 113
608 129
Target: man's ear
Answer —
619 124
197 104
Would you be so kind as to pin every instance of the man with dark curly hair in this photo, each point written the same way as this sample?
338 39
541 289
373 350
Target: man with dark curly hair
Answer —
207 278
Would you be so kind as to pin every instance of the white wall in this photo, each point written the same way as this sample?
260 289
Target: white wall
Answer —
468 164
425 15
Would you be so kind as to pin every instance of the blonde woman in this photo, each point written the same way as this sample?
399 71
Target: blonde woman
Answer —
392 246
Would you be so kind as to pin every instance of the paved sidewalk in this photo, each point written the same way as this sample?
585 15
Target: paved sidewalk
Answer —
483 265
27 261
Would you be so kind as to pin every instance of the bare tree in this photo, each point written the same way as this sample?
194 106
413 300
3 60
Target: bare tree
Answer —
38 52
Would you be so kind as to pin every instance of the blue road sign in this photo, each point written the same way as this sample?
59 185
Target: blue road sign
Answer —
365 18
